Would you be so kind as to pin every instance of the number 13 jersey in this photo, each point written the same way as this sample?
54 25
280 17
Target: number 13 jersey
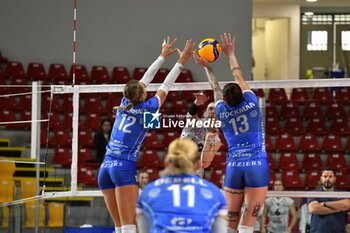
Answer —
243 128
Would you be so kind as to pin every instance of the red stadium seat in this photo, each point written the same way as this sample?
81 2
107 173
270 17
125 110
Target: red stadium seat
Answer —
25 102
271 110
285 143
120 75
311 110
81 74
139 72
152 141
278 96
342 95
343 182
67 121
161 75
216 176
19 85
179 107
270 147
259 92
15 70
174 95
299 95
86 159
271 161
219 160
292 180
8 102
289 110
151 159
85 139
92 104
340 126
36 72
100 75
312 162
93 121
332 143
86 176
185 76
288 161
335 111
153 174
61 137
169 137
8 116
112 102
63 157
58 74
322 95
308 143
337 161
317 126
294 126
272 125
311 179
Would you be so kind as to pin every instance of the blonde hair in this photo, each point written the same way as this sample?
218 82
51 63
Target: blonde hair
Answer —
133 91
181 157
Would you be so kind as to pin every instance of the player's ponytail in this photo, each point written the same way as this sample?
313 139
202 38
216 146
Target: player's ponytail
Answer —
181 157
132 91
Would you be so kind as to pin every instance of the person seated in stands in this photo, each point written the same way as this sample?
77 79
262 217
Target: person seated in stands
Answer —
101 139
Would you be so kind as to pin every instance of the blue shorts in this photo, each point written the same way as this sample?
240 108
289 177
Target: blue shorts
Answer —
253 173
116 172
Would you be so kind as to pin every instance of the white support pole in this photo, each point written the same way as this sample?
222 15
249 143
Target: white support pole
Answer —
35 142
75 124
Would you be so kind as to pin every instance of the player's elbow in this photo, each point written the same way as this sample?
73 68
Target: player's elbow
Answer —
312 208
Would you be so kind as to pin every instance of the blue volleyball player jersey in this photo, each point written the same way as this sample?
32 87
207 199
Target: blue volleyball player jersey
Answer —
181 203
243 128
128 131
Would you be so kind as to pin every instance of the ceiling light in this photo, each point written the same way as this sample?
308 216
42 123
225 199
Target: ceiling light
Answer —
309 13
311 0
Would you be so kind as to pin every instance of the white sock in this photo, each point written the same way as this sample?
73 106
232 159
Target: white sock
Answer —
231 230
129 228
117 229
245 229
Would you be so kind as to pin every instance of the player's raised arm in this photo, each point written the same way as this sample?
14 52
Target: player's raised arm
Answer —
185 54
167 50
217 91
228 46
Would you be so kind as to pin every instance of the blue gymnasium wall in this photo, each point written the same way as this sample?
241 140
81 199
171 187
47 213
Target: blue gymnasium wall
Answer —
125 33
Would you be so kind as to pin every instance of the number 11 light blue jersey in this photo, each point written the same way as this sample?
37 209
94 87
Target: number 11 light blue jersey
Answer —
128 131
181 203
242 126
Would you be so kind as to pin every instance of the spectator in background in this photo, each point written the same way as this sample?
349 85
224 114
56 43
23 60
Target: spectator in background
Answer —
142 180
305 215
101 139
277 209
328 214
347 228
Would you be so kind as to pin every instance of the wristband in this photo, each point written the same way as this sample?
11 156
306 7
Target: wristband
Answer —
235 68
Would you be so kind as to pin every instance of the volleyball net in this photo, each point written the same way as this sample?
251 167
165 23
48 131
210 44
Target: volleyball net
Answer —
306 128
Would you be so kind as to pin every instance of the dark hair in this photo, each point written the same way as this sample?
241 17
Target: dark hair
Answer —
232 94
328 168
132 91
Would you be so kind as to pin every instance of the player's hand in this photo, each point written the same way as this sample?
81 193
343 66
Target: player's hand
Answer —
228 43
187 52
167 47
200 61
200 98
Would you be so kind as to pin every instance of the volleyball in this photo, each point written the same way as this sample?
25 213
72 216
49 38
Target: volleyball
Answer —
209 49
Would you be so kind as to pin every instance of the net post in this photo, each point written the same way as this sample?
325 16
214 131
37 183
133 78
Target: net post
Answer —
75 120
